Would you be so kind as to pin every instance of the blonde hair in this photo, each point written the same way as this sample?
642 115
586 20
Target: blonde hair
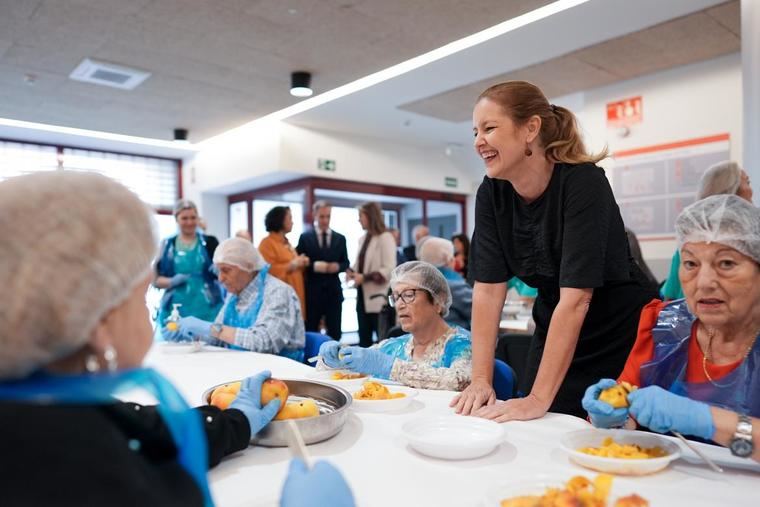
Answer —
559 134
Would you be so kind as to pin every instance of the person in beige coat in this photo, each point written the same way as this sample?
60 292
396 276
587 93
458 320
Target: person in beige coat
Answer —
371 272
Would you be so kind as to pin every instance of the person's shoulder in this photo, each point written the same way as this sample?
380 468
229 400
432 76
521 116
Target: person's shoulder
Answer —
336 234
586 173
460 336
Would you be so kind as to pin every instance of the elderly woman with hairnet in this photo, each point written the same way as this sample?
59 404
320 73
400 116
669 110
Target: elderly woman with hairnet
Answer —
74 329
261 313
433 355
697 361
721 178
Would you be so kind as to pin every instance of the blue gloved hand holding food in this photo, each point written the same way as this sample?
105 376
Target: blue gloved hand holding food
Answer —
329 352
602 413
369 361
248 401
662 411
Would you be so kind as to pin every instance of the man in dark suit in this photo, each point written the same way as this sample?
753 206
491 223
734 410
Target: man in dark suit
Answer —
327 251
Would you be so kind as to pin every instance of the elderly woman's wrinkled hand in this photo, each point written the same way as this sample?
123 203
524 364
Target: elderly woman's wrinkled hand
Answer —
662 411
602 414
478 394
248 401
329 352
370 361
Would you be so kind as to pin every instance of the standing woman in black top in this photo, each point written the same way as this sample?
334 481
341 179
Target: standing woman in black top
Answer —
545 213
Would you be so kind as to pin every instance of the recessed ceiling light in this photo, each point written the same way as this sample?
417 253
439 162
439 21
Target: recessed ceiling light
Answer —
108 74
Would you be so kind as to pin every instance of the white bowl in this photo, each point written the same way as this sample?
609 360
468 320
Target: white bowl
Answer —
574 440
385 405
453 436
350 385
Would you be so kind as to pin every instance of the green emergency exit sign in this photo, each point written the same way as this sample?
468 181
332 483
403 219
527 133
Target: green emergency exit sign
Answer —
324 164
452 182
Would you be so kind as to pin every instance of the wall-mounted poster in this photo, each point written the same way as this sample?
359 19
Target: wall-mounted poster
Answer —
653 184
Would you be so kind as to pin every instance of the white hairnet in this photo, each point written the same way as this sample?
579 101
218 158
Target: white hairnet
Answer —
721 178
423 275
725 219
437 251
239 252
74 245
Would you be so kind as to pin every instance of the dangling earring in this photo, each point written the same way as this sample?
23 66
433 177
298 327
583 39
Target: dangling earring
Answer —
109 354
528 151
91 363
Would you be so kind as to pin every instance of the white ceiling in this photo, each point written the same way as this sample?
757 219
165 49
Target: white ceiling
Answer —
217 64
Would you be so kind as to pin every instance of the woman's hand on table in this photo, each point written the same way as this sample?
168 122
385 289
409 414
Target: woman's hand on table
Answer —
478 394
248 401
602 414
321 486
516 409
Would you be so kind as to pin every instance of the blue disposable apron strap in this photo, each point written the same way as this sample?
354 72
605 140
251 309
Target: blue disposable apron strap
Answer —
184 424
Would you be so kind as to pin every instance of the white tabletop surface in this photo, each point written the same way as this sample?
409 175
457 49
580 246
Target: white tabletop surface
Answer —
383 471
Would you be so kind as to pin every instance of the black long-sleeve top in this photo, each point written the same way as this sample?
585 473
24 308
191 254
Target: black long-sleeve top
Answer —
116 454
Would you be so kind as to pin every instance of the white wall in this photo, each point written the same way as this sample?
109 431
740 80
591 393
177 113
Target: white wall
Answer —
687 102
369 160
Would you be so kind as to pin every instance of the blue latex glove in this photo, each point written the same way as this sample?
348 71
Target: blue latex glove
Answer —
369 361
178 279
322 486
189 328
248 401
662 411
329 352
601 413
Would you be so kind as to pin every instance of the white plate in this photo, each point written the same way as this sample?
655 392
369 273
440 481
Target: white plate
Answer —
181 347
351 385
385 405
574 440
453 436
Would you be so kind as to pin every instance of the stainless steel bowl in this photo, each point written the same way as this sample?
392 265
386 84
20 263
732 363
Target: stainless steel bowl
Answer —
333 403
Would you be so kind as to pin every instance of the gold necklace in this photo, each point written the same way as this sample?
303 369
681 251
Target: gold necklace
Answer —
710 335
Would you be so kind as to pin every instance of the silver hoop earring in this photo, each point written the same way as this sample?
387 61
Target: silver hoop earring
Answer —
91 363
109 354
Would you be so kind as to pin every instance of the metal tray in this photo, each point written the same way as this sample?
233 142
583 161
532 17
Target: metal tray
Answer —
333 403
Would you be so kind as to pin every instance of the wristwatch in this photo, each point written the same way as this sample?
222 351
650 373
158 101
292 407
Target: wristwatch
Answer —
741 444
216 329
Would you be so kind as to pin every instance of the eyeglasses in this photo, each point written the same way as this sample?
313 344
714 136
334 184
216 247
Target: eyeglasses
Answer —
407 296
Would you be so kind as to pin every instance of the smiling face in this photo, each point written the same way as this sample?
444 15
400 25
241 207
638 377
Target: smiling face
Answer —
187 219
413 316
233 278
721 285
498 141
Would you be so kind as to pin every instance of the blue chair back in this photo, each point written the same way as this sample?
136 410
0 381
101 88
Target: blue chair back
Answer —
313 342
504 381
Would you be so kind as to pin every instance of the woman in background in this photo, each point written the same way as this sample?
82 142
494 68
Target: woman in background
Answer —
184 270
371 271
284 261
461 253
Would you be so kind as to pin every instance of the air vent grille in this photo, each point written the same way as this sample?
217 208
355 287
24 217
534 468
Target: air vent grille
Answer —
108 74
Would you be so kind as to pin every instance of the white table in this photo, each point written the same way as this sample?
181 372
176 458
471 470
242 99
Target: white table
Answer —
383 471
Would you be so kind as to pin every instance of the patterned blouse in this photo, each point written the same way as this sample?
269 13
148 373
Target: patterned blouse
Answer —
446 365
